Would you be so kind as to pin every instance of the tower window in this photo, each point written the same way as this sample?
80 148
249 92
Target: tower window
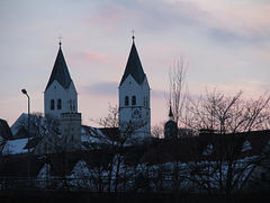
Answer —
126 101
133 100
59 104
52 104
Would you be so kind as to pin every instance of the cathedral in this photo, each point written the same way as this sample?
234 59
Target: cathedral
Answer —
61 99
61 126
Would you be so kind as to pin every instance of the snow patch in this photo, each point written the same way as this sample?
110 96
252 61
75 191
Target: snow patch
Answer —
246 146
209 150
15 147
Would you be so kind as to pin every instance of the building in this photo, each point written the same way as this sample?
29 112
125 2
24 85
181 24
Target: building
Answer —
61 101
134 98
61 128
5 132
170 128
60 94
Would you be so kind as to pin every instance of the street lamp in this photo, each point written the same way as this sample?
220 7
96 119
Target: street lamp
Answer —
28 128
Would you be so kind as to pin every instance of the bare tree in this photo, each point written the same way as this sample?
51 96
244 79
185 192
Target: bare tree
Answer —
229 119
111 120
178 88
158 130
115 145
223 114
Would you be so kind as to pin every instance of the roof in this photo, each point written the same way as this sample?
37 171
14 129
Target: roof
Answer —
5 131
37 125
203 147
208 147
134 67
60 71
170 112
17 146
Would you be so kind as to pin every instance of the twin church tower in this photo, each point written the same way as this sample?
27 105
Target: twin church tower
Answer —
61 99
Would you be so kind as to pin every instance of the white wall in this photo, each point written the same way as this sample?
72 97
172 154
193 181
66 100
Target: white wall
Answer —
56 91
142 92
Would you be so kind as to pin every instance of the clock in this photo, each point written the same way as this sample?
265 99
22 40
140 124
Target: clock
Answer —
136 113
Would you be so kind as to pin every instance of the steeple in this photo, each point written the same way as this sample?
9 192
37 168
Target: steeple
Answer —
171 113
134 98
170 127
60 95
60 71
134 66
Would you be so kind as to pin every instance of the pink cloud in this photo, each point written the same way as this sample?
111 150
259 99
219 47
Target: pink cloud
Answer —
90 57
237 17
96 56
108 16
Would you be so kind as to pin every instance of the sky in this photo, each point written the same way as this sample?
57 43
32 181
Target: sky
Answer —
225 44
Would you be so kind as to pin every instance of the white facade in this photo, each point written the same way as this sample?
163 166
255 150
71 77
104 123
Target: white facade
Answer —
59 100
70 128
134 107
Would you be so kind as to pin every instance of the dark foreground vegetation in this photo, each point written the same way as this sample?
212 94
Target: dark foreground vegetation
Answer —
81 197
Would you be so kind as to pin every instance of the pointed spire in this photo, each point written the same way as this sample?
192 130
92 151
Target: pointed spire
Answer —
134 66
171 113
60 71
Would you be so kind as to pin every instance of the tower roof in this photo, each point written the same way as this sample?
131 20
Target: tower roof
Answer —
60 71
170 112
134 66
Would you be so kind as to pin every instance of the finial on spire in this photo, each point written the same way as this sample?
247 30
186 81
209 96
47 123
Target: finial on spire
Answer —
60 40
133 35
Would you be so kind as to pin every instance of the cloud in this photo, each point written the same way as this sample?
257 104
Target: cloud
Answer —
111 88
159 94
96 56
220 20
101 89
243 20
93 56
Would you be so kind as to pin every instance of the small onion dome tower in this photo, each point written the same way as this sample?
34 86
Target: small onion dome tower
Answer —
170 128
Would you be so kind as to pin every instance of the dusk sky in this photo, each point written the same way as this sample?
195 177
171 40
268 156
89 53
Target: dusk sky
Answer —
225 44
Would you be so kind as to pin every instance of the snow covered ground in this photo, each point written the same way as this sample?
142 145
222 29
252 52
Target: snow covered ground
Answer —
144 177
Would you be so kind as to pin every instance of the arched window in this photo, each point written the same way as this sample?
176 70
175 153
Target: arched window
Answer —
52 104
126 101
59 104
133 100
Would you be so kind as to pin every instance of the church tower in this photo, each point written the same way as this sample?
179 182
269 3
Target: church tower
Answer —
134 98
60 94
170 128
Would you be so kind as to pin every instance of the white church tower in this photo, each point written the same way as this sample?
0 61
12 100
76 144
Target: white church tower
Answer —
134 98
61 103
60 94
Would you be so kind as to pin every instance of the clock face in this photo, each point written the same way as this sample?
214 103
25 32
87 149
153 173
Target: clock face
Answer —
136 113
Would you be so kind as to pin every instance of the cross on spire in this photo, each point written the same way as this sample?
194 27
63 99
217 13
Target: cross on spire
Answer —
133 35
60 40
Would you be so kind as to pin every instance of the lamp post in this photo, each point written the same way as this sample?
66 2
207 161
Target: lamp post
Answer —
28 129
